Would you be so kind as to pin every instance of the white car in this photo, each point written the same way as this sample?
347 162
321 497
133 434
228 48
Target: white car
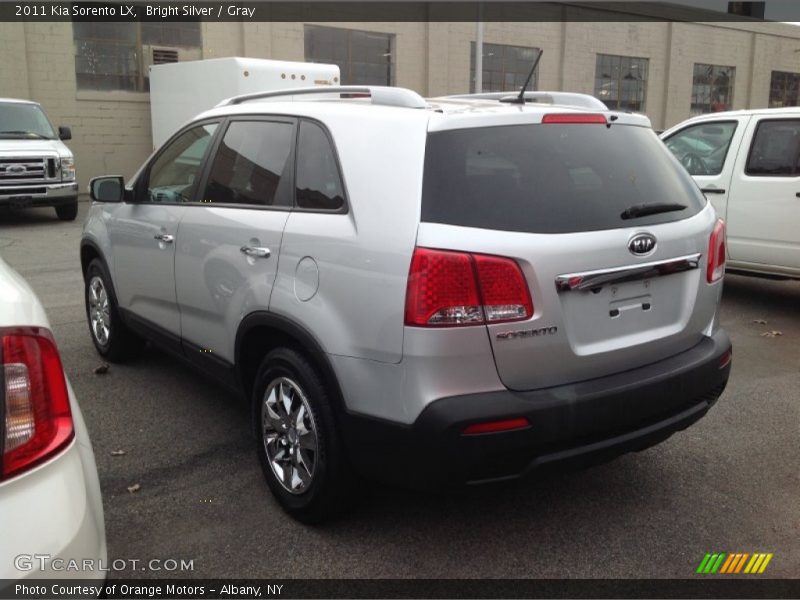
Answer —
51 513
747 162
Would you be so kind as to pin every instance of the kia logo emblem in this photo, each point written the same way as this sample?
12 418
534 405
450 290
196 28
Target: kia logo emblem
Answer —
642 244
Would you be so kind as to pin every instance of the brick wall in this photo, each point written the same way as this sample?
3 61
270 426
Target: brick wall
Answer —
14 62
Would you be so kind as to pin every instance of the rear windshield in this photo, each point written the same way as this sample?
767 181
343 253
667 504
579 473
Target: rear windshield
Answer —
552 178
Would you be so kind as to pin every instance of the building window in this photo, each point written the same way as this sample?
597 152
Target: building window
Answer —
712 88
116 56
363 57
505 68
783 89
620 82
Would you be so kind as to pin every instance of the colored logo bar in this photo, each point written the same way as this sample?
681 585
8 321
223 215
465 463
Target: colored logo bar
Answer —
734 562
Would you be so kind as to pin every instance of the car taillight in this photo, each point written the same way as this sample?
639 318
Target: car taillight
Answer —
574 118
38 420
716 253
451 289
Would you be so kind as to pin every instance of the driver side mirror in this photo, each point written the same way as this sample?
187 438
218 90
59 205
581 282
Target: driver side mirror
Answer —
110 188
64 133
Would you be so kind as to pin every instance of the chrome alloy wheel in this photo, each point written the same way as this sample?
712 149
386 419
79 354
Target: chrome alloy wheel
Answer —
99 315
289 434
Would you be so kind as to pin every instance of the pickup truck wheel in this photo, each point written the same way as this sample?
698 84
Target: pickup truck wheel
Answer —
112 338
67 212
298 445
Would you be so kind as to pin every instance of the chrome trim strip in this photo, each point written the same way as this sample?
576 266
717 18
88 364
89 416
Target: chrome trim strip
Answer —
592 279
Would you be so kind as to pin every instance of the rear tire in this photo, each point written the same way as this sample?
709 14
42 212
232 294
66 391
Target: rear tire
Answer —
68 212
297 442
113 339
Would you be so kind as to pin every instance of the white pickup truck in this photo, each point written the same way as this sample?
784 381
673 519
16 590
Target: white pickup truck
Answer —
747 162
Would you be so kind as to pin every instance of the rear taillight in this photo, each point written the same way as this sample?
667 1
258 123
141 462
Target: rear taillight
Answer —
38 420
451 289
574 118
716 253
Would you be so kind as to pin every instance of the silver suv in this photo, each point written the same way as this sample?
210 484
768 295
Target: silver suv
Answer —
460 289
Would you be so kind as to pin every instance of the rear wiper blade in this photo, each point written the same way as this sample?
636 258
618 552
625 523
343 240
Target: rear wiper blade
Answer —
643 210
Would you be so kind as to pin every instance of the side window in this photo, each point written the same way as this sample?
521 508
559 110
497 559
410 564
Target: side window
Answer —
775 150
174 175
702 148
251 165
319 185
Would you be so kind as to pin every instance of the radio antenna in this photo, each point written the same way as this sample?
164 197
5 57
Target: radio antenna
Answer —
521 98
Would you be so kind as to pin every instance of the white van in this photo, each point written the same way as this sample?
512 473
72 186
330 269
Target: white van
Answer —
36 167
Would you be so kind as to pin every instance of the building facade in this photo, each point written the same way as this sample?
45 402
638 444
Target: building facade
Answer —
93 77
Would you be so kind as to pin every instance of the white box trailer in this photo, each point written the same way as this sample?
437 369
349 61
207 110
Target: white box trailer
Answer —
182 90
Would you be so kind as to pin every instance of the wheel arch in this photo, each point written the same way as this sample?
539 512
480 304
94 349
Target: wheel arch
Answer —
261 332
90 251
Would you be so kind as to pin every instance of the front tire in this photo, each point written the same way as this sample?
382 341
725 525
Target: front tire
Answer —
68 212
297 441
111 337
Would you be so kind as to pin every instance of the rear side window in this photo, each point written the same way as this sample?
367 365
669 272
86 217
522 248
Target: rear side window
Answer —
319 185
251 165
552 178
776 149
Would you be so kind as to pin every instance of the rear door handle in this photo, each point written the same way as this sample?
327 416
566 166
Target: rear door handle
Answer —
255 251
712 191
164 237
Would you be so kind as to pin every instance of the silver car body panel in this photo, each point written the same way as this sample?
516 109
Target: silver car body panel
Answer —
362 256
144 267
216 283
437 363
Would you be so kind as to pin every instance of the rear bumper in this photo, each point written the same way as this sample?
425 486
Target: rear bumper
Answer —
46 194
580 423
51 517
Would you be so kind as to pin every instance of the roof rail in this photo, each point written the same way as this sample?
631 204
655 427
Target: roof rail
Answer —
382 95
562 98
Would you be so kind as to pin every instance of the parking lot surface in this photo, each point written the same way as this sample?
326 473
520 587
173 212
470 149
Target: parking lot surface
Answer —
730 483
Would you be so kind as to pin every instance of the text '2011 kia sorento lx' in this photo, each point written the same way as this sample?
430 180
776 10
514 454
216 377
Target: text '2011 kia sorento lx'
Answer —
435 292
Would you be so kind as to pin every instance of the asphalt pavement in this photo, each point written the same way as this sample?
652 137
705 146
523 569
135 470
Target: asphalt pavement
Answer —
730 483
